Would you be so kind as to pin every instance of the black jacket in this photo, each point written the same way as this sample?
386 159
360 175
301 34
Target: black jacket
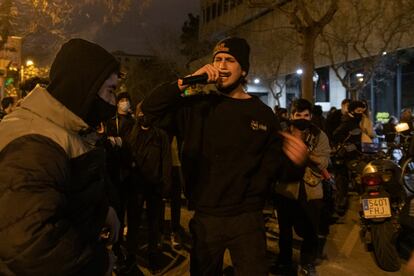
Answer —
231 151
53 195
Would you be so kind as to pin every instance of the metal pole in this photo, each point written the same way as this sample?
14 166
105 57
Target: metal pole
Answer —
399 92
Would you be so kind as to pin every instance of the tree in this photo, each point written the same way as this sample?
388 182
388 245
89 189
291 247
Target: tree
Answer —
143 75
191 47
5 21
45 24
362 36
272 49
308 18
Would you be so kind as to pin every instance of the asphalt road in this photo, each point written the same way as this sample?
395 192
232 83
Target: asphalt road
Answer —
345 252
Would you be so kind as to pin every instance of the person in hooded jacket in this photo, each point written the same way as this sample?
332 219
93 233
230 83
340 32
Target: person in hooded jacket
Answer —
56 214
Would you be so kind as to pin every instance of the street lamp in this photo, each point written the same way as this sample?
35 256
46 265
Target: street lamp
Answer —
26 70
29 62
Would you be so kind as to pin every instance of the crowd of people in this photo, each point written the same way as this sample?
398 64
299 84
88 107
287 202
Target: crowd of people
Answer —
78 163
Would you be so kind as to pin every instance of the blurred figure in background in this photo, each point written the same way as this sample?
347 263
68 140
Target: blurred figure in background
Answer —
407 117
367 126
334 119
7 105
388 129
119 164
150 147
29 84
317 117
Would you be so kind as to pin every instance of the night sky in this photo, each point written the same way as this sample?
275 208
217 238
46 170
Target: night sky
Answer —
136 31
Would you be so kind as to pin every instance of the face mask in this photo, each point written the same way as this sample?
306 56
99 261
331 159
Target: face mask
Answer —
301 124
357 116
143 121
100 111
124 106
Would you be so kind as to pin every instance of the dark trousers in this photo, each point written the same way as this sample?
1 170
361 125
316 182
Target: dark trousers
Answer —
128 193
154 207
342 187
176 178
244 236
304 217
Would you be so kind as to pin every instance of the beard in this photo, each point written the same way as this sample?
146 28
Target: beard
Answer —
230 88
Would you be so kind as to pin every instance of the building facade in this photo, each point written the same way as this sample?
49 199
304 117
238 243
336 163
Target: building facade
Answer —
275 72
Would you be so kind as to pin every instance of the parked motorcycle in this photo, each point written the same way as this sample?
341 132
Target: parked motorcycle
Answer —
381 202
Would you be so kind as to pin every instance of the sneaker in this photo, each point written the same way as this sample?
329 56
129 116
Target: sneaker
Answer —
175 241
308 270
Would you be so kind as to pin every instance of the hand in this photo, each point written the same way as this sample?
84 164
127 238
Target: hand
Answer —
113 225
101 128
294 148
212 72
115 141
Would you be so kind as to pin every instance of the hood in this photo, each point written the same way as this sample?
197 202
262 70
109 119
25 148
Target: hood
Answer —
78 72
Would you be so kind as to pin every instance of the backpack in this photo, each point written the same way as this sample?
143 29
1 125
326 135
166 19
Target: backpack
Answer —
150 150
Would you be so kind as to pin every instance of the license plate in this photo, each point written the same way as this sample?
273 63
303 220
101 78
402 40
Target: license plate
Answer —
376 207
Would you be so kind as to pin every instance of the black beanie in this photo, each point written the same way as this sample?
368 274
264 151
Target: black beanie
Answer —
355 104
123 95
237 47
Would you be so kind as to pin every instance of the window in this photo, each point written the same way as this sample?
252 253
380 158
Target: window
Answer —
220 7
321 84
208 12
226 5
213 10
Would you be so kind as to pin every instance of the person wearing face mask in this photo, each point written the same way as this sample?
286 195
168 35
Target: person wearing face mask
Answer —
119 166
298 203
342 134
54 203
350 121
232 151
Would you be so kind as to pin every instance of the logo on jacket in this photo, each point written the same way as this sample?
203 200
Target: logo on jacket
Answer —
255 125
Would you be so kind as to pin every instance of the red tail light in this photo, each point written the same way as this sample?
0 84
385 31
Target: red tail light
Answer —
371 180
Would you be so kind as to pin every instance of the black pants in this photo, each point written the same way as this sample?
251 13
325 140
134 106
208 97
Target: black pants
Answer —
304 217
150 195
128 191
244 236
175 199
130 200
342 188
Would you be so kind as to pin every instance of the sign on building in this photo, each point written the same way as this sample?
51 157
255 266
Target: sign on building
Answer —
12 51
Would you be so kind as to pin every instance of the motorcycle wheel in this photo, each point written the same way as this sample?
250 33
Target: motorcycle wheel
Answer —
384 247
407 174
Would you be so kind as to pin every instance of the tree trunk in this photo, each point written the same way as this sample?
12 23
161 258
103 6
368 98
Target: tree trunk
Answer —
353 94
308 65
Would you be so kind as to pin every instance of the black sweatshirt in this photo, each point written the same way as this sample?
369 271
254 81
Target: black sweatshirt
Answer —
231 152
